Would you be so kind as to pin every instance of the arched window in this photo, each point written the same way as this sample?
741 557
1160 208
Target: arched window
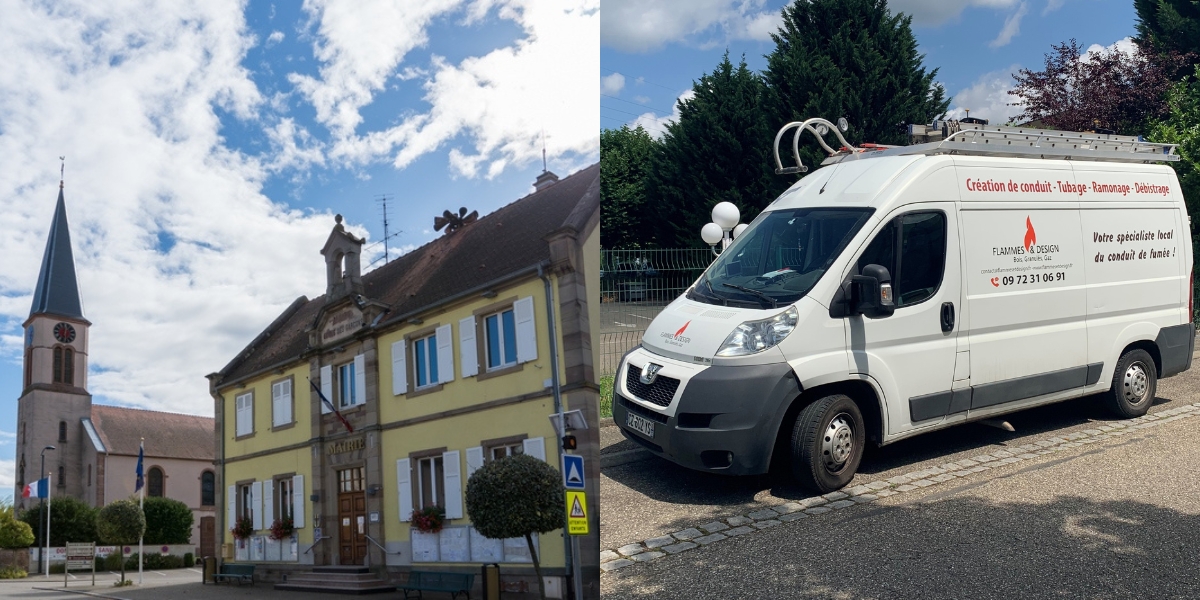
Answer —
21 477
89 475
68 366
208 488
58 364
62 431
154 488
62 473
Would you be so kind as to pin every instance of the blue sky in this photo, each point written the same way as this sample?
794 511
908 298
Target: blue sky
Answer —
650 56
208 146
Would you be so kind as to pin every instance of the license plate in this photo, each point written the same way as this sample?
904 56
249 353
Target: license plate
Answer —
640 424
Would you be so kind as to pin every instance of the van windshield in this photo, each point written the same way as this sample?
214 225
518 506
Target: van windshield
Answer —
779 257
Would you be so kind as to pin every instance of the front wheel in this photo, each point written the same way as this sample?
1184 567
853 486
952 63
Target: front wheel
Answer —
827 443
1134 384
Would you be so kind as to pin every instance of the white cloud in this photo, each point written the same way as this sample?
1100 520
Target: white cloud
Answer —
1053 5
655 125
274 38
1125 45
501 102
177 250
8 479
936 12
639 26
612 84
1012 26
988 98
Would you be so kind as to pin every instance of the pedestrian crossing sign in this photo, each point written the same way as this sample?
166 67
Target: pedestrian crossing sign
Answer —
577 521
572 471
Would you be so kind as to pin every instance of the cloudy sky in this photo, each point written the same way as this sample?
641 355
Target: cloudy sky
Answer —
650 56
208 145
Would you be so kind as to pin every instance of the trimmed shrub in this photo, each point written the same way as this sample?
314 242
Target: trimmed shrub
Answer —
15 534
13 573
112 562
168 521
189 560
71 520
121 522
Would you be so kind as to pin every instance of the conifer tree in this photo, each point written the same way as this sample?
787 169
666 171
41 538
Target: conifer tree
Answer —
624 165
853 59
718 150
1169 26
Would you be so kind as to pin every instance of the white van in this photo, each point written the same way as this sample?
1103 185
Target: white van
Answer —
899 291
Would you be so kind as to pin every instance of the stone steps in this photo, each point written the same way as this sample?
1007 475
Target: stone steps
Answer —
352 579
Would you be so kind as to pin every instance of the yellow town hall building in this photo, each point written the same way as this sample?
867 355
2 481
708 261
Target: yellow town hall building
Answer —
439 361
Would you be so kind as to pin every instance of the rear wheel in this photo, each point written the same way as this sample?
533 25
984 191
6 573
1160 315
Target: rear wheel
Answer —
1134 384
827 443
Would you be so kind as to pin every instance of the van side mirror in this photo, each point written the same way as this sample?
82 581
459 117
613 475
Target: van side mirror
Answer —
871 293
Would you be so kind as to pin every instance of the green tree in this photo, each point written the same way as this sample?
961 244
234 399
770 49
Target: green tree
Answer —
719 150
624 165
1182 126
1169 26
516 496
168 521
120 523
853 59
71 520
14 533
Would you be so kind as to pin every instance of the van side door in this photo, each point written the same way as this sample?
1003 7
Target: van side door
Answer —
911 353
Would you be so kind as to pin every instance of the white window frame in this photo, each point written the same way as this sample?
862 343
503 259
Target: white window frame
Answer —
347 380
285 498
436 479
245 501
281 403
244 405
506 361
428 345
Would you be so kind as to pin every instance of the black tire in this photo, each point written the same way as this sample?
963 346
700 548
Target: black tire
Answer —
1133 386
813 464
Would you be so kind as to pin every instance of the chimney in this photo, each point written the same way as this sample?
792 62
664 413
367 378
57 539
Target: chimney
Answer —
545 180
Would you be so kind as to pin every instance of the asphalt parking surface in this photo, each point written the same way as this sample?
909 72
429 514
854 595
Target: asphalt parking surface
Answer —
1146 478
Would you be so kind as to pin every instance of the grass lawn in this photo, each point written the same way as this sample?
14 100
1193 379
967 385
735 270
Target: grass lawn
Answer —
606 396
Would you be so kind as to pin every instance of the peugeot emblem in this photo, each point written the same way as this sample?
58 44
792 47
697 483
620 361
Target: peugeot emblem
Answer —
650 373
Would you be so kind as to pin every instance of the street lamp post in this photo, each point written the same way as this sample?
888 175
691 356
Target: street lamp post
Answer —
43 522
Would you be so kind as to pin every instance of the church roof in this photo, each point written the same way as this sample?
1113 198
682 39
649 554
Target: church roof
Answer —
504 243
57 292
168 435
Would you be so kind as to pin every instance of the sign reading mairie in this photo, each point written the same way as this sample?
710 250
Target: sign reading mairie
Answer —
341 323
345 446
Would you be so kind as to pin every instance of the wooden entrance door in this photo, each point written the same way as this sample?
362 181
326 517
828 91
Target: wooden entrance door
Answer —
208 536
352 517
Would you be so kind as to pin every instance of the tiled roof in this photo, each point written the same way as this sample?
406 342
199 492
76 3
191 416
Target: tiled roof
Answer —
499 244
57 292
168 435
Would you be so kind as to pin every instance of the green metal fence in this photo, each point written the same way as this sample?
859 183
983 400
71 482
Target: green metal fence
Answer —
635 285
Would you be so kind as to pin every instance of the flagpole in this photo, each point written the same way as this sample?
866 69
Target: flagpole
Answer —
48 505
142 507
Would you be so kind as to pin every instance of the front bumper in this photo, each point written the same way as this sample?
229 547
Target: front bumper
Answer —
720 419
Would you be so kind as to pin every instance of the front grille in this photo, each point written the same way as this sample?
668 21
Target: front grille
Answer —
659 393
641 410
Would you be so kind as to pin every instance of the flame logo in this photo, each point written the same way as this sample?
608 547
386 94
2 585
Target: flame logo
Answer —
682 329
1030 236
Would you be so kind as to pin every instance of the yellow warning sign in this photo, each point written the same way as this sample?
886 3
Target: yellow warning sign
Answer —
577 522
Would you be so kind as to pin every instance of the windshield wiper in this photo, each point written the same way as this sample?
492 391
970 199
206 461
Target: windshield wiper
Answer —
774 304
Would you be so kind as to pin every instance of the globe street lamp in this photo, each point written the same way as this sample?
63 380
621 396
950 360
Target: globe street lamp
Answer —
724 228
45 519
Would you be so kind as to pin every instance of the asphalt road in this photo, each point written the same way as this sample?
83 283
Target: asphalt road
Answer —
1052 517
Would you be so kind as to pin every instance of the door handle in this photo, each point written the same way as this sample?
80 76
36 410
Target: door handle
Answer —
947 316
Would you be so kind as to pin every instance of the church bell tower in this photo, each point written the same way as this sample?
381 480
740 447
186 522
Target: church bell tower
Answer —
54 400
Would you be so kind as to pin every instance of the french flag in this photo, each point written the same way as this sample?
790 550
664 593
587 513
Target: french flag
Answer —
37 489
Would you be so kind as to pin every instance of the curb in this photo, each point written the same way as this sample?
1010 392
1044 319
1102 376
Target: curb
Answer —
613 559
80 592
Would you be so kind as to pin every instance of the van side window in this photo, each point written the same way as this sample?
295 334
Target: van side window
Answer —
921 249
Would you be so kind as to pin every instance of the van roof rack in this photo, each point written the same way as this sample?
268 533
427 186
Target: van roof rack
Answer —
957 137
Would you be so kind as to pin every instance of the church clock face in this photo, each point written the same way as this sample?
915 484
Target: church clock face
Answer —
64 333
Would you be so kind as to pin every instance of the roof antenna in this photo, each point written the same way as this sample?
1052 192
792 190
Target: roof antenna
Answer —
62 169
543 149
382 199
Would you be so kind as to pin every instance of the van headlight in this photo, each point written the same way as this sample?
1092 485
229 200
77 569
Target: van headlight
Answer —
752 337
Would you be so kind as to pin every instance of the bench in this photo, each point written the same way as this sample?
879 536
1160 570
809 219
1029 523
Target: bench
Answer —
451 583
240 573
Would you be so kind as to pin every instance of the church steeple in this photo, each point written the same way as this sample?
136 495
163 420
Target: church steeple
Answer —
57 291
